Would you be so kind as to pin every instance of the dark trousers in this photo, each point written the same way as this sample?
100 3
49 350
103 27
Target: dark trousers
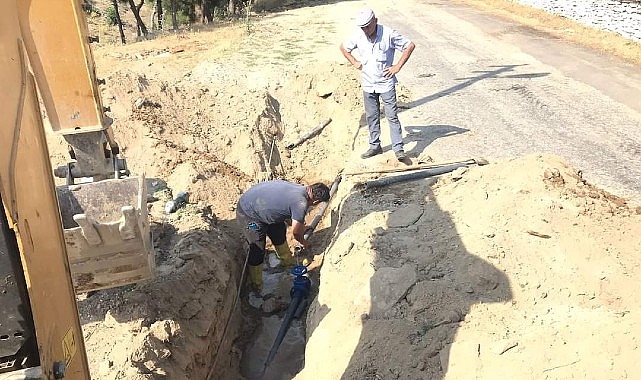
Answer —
255 233
372 101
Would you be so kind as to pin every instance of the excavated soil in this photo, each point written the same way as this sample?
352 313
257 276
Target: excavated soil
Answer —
519 266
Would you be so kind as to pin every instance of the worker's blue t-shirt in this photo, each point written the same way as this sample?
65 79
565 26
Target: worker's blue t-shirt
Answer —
275 201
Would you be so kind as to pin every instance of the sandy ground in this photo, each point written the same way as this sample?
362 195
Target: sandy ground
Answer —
516 269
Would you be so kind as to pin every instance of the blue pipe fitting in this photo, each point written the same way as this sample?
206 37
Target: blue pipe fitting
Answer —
302 283
298 270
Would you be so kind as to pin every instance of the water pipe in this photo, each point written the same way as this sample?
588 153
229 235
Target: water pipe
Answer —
416 175
321 210
298 294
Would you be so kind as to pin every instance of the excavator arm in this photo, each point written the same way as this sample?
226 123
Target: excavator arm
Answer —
91 233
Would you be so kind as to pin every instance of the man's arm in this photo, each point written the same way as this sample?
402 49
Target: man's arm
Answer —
393 70
298 230
355 62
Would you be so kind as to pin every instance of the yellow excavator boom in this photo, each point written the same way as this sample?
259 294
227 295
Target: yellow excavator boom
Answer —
93 232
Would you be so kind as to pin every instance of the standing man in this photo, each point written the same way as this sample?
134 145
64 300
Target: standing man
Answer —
376 46
263 211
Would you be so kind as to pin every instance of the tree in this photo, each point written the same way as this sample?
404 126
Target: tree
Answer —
188 8
173 9
135 9
232 7
159 13
207 14
118 21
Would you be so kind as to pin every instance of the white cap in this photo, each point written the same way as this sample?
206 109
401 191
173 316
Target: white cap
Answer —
364 17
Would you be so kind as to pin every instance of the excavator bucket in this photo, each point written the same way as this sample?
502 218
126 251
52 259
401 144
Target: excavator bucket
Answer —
107 234
105 223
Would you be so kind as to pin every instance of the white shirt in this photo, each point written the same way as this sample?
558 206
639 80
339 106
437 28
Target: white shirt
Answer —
376 56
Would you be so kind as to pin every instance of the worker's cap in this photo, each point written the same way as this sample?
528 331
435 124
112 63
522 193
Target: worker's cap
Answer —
364 17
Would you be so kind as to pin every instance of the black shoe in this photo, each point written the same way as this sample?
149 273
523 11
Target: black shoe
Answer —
400 155
372 152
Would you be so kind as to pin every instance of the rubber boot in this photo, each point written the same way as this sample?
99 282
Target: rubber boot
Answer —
255 276
285 255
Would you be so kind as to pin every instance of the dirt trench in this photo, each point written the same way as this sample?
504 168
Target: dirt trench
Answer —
188 130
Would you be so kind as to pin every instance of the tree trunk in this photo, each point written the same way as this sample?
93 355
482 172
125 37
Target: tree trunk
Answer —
142 29
159 13
119 22
207 12
174 10
193 12
231 7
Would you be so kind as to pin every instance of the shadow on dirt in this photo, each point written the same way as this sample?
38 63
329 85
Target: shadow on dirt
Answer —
186 264
424 283
424 135
185 308
495 72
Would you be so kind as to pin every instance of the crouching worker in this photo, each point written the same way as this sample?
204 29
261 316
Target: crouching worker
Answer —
263 211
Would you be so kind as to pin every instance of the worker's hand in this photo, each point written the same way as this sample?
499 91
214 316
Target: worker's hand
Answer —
358 65
304 244
391 71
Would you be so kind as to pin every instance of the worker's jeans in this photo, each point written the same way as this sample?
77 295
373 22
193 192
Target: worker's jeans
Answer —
373 116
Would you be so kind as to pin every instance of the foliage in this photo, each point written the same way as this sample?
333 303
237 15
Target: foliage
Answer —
110 15
181 12
185 10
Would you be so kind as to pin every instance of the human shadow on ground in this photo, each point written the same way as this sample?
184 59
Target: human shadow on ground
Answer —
423 284
424 135
495 72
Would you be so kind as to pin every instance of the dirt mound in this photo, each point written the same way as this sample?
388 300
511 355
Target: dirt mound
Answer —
165 328
475 274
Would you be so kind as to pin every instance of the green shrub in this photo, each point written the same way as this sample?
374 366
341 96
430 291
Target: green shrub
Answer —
110 15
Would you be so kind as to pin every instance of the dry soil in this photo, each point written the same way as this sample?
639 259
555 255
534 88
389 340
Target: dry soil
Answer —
515 269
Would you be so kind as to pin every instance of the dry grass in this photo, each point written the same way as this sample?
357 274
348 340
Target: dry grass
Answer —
608 42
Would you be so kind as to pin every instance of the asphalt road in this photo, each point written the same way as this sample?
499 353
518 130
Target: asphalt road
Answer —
486 87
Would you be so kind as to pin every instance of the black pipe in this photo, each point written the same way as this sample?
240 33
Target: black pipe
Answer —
298 293
284 327
309 134
417 175
321 210
301 308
